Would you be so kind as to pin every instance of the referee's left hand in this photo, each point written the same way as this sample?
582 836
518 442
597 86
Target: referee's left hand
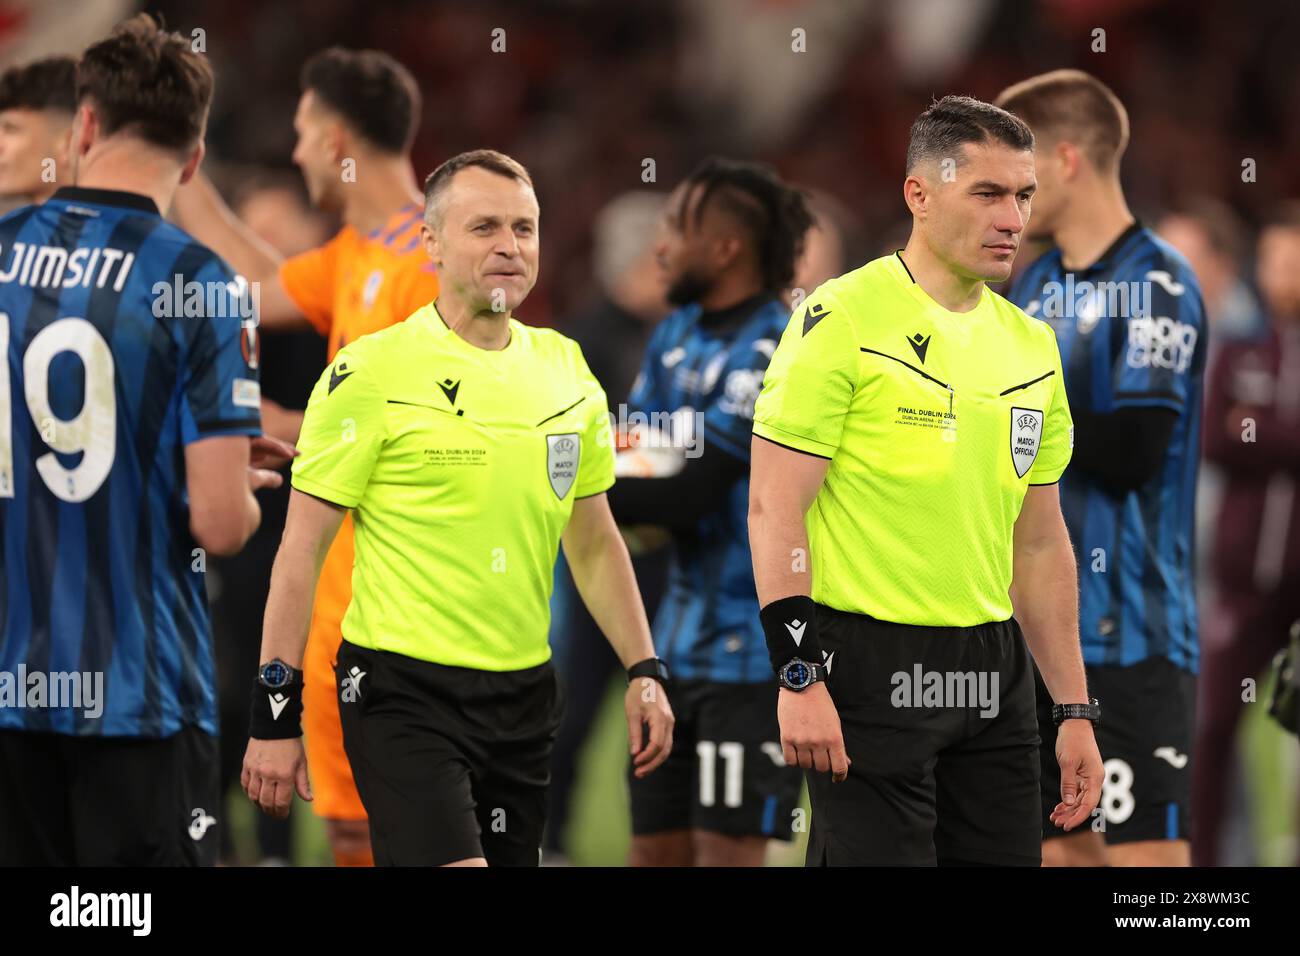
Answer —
1082 773
646 703
272 770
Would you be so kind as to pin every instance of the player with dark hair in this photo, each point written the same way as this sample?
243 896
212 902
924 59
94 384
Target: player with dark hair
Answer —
37 102
733 234
125 419
1129 320
903 504
356 120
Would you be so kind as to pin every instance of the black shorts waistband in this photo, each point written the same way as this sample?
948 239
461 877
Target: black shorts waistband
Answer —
449 678
855 622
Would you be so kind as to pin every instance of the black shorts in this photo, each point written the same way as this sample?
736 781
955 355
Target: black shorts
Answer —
936 777
450 763
1145 739
108 801
726 773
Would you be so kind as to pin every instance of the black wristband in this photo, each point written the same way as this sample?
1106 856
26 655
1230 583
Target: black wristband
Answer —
652 667
276 714
790 626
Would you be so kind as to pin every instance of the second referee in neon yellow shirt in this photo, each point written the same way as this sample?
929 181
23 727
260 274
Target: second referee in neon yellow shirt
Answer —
908 440
467 446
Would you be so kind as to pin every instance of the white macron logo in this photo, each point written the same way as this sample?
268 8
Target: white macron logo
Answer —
796 631
1171 756
277 705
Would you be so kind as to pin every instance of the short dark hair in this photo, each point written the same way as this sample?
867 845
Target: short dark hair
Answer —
148 83
376 96
437 181
1076 106
941 130
49 84
775 215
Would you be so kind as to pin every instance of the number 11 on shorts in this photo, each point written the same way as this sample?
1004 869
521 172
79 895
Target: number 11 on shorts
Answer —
733 759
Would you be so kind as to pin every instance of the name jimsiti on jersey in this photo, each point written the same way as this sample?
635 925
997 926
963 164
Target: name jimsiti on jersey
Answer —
54 267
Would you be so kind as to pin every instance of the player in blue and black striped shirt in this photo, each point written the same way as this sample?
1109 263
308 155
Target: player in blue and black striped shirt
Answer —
128 393
733 234
1131 328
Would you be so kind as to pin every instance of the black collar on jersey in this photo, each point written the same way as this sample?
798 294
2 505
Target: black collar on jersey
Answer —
107 197
734 314
1134 227
899 253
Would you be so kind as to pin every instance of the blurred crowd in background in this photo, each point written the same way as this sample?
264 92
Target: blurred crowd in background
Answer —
609 104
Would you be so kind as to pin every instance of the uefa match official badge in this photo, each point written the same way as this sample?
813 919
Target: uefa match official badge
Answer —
562 455
1026 436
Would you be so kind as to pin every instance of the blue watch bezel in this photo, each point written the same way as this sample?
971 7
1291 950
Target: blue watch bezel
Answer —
813 676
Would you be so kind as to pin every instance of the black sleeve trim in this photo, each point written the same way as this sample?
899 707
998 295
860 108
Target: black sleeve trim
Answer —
205 427
312 494
810 454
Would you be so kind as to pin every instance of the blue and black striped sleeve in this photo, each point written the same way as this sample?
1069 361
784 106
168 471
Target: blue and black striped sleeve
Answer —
1159 351
220 388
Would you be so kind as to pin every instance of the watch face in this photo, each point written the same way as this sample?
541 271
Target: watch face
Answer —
797 674
275 674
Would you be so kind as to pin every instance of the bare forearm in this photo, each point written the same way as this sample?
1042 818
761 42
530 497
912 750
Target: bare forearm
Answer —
778 541
602 571
289 603
1045 594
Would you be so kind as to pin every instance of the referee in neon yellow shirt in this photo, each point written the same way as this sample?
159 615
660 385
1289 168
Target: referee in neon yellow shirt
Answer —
467 446
908 441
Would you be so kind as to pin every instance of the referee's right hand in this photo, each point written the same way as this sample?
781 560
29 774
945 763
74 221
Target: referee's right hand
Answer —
272 768
810 731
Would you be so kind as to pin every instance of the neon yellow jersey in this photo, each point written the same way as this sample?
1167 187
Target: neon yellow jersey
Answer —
935 424
461 466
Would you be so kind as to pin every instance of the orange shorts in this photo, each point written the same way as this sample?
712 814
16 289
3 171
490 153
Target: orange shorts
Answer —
333 790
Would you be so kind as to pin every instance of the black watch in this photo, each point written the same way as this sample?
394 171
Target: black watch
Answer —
799 675
652 667
276 674
1089 711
